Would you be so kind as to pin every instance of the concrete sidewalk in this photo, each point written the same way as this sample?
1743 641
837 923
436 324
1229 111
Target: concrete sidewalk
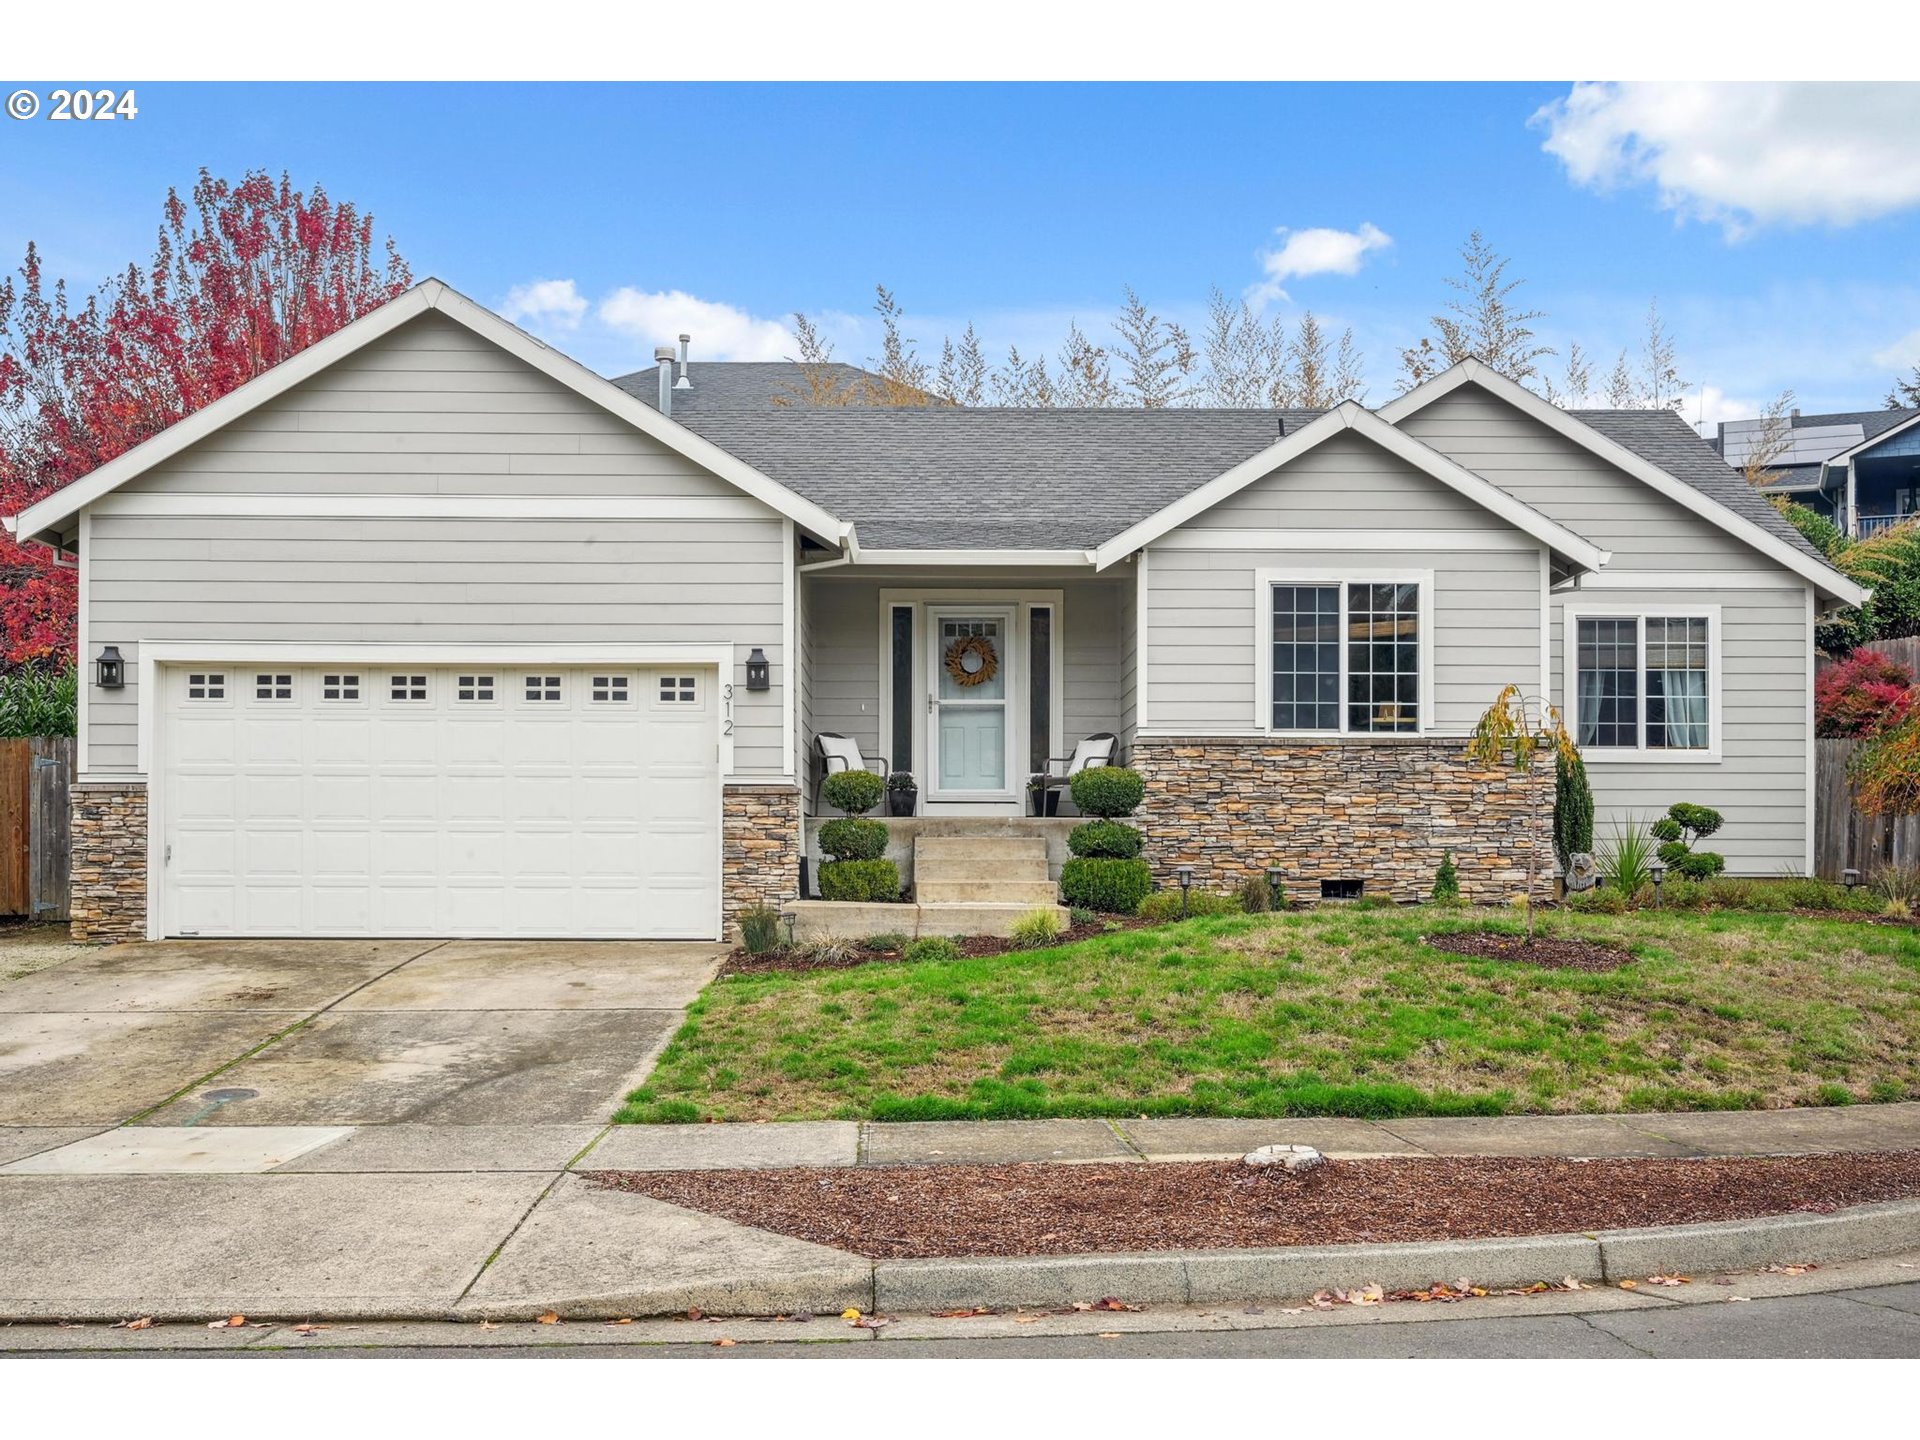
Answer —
436 1222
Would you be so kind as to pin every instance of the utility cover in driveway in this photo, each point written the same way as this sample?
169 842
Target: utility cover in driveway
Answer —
413 800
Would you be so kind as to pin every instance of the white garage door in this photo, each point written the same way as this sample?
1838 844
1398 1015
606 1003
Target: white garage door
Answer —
422 801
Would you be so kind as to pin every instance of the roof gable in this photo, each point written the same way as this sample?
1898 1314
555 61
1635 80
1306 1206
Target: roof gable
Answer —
1351 417
1700 496
42 518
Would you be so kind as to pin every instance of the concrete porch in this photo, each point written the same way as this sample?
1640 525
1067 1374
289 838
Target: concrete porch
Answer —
903 832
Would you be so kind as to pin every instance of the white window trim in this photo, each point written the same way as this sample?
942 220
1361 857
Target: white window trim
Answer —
494 677
272 677
1343 576
1640 753
362 689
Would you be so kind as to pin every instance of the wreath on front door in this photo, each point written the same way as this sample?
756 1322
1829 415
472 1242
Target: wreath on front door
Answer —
970 660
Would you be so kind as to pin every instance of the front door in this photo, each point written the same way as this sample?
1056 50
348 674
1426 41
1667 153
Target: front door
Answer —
970 734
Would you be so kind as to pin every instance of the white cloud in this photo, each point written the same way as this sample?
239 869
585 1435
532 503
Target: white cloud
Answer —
720 331
1317 251
1901 354
557 302
1708 405
1743 155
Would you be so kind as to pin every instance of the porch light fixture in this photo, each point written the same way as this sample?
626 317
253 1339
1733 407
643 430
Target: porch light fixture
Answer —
1185 872
1849 878
109 671
1273 879
759 673
1658 872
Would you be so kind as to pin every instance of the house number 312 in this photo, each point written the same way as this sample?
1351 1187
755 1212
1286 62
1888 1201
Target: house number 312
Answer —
726 709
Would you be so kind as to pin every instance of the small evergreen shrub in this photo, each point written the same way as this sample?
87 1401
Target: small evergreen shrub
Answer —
1079 915
1113 887
759 929
1108 791
1163 905
1035 929
1256 896
860 880
1106 839
885 943
931 950
854 839
1446 882
1679 830
853 791
37 701
1572 809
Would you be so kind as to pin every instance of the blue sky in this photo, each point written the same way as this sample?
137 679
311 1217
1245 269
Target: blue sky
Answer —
1021 207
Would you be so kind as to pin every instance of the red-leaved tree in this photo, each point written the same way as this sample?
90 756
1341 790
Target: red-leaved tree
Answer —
242 277
1862 695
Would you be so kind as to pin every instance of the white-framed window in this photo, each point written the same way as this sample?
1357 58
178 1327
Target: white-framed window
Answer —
1342 653
273 686
407 689
677 690
206 685
474 689
610 690
542 689
1644 684
339 686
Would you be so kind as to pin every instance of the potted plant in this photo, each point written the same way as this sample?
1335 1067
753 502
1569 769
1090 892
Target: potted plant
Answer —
1041 800
903 793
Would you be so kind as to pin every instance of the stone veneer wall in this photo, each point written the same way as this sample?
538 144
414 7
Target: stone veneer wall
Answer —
1383 810
109 885
760 847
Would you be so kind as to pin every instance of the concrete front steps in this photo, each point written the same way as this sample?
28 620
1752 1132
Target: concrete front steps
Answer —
963 884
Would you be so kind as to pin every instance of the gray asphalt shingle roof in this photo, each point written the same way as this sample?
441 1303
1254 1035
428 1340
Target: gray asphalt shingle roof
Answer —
948 477
1871 422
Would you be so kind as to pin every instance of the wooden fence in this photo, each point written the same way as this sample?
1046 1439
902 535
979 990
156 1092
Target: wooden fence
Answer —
1904 651
35 837
1843 838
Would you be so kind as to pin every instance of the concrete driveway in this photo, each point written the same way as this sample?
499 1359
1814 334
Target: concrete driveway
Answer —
338 1033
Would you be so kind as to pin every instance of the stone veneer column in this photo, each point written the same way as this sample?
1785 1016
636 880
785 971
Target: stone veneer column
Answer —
760 847
109 884
1382 809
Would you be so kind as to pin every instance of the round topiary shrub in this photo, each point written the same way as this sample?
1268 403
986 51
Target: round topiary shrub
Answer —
1700 864
864 880
1105 839
1107 791
852 839
853 791
1115 887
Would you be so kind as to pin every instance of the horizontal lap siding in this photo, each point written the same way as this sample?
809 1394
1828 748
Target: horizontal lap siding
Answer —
1203 628
1760 783
433 410
1643 528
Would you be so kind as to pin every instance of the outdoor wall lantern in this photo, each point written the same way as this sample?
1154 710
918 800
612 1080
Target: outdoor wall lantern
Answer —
1659 873
110 671
1849 878
759 673
1273 879
1185 872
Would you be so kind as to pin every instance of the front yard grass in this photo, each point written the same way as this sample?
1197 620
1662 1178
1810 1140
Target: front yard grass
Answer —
1328 1012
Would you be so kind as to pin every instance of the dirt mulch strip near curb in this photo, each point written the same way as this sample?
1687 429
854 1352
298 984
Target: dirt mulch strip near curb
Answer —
912 1212
1548 952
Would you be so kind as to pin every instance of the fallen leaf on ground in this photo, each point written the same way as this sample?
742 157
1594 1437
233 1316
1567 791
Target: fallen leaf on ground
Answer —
488 1325
693 1313
1776 1269
1109 1334
725 1342
232 1322
1109 1302
623 1320
849 1314
145 1322
550 1318
1572 1284
1668 1280
872 1322
977 1310
307 1327
1028 1319
1629 1284
1368 1295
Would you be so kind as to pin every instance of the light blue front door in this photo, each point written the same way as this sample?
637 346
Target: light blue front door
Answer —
971 682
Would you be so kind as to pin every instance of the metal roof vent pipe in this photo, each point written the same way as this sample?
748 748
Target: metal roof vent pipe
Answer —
663 357
686 381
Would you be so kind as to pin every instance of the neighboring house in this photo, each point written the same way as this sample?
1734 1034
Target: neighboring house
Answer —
431 631
1860 468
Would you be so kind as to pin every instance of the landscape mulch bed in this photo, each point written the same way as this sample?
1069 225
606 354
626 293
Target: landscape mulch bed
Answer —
1551 953
739 962
907 1212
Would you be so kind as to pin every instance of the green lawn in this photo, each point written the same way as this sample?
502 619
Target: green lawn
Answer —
1333 1012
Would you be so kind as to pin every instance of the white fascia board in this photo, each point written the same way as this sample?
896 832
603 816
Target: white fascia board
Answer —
429 295
984 558
1846 457
1351 416
1822 575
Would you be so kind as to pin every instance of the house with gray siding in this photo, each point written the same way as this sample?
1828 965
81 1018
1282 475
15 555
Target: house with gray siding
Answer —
432 631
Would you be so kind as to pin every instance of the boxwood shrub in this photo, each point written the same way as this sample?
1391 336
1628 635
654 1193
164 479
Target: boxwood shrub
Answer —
854 791
860 880
1115 887
1108 791
852 839
1108 839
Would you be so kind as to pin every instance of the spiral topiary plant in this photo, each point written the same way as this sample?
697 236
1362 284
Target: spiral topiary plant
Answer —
1107 791
1679 830
853 792
857 871
1106 872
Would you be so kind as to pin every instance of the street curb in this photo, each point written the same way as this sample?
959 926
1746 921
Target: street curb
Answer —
1168 1277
